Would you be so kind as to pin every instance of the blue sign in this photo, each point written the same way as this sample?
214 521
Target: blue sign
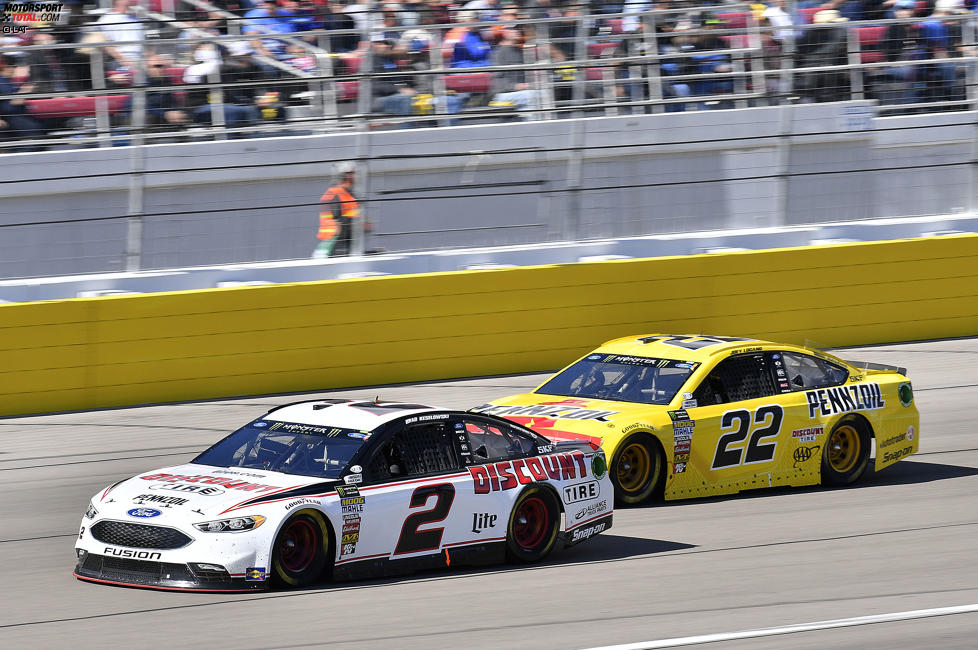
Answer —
145 513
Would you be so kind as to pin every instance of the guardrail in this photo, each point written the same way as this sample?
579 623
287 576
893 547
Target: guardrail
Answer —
129 350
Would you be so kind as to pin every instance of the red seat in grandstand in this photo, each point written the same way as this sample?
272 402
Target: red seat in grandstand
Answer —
869 40
597 50
734 20
73 106
175 74
736 41
594 74
808 14
346 90
473 82
349 64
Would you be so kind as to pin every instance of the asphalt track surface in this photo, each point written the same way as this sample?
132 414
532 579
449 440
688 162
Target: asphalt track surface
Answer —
905 539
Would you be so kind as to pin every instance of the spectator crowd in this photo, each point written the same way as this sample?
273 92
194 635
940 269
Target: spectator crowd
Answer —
382 53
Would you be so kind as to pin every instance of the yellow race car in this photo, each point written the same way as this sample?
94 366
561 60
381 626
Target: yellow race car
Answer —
688 416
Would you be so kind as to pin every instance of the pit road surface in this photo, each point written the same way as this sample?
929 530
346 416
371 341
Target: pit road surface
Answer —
904 539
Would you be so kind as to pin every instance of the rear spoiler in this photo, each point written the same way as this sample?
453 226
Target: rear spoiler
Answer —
865 365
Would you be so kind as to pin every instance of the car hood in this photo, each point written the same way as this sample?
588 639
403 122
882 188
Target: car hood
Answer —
571 418
203 490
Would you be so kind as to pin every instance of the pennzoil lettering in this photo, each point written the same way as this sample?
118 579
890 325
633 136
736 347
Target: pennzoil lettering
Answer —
844 399
161 499
506 475
549 411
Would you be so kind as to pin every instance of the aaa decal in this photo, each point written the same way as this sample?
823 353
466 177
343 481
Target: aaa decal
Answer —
844 399
507 475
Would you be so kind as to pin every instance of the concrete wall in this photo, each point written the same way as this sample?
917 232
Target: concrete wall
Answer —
106 352
668 173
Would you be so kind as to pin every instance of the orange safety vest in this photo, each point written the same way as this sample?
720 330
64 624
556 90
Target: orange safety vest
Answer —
349 209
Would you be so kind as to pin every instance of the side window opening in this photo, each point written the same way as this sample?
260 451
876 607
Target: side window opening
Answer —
489 441
416 451
805 372
737 378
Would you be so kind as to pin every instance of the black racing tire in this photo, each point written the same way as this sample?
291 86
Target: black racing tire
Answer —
534 524
301 551
846 453
637 469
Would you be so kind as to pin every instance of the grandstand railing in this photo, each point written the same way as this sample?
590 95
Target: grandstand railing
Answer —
604 72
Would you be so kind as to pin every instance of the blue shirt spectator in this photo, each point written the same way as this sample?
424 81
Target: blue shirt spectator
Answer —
471 51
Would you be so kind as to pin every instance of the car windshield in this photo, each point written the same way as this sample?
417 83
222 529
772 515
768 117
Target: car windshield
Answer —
287 447
622 378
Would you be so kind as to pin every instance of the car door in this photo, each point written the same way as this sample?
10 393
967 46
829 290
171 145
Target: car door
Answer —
495 453
739 419
799 376
414 489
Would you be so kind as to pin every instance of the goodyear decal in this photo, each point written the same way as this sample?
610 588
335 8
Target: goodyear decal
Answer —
548 411
844 399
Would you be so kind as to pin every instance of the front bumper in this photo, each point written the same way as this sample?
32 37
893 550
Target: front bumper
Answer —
160 575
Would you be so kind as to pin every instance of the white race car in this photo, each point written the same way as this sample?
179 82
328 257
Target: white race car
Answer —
349 489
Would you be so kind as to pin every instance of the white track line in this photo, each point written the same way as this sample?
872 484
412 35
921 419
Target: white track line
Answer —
789 629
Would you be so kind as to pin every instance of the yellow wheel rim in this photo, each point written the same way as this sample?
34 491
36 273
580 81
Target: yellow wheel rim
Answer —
634 465
843 449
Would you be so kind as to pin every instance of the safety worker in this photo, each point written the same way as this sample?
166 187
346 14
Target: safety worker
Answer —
337 217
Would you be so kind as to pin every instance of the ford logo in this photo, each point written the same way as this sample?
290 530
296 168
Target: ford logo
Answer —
144 512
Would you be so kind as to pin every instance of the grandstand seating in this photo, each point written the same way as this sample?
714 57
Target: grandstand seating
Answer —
65 107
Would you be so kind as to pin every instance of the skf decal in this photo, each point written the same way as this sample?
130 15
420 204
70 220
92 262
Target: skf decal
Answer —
231 484
892 456
843 399
808 434
507 474
546 411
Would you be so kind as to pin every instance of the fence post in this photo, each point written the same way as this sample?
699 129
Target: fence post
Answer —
572 224
362 190
101 102
855 58
137 166
786 126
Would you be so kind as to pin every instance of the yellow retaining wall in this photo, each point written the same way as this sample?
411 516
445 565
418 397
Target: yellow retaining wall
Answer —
103 352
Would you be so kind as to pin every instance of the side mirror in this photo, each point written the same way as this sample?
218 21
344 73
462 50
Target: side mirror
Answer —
798 381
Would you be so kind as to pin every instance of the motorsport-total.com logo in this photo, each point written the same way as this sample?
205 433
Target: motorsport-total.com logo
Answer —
18 17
